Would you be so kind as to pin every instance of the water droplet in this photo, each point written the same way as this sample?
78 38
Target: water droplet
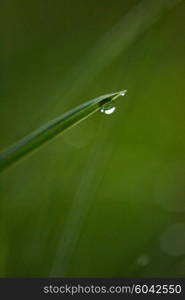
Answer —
122 93
108 110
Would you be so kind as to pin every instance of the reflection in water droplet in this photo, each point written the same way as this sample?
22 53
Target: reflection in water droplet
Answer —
108 110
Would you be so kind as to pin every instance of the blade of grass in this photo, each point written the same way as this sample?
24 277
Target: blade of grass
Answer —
50 130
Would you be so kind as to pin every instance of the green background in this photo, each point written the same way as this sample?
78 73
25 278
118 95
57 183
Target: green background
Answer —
106 199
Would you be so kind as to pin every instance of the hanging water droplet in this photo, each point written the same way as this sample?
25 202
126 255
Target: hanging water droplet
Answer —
108 110
122 93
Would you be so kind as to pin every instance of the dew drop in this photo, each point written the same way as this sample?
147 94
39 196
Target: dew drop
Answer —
108 110
122 93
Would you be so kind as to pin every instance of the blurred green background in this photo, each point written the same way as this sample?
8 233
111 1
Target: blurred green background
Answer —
107 199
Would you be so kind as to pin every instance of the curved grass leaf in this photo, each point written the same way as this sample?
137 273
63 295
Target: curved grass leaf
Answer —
55 127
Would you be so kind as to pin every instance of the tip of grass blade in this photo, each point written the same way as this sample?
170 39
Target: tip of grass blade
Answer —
47 132
118 94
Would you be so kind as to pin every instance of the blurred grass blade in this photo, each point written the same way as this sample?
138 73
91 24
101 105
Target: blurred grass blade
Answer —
55 127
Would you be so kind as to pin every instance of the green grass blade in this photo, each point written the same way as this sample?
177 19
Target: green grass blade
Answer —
55 127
